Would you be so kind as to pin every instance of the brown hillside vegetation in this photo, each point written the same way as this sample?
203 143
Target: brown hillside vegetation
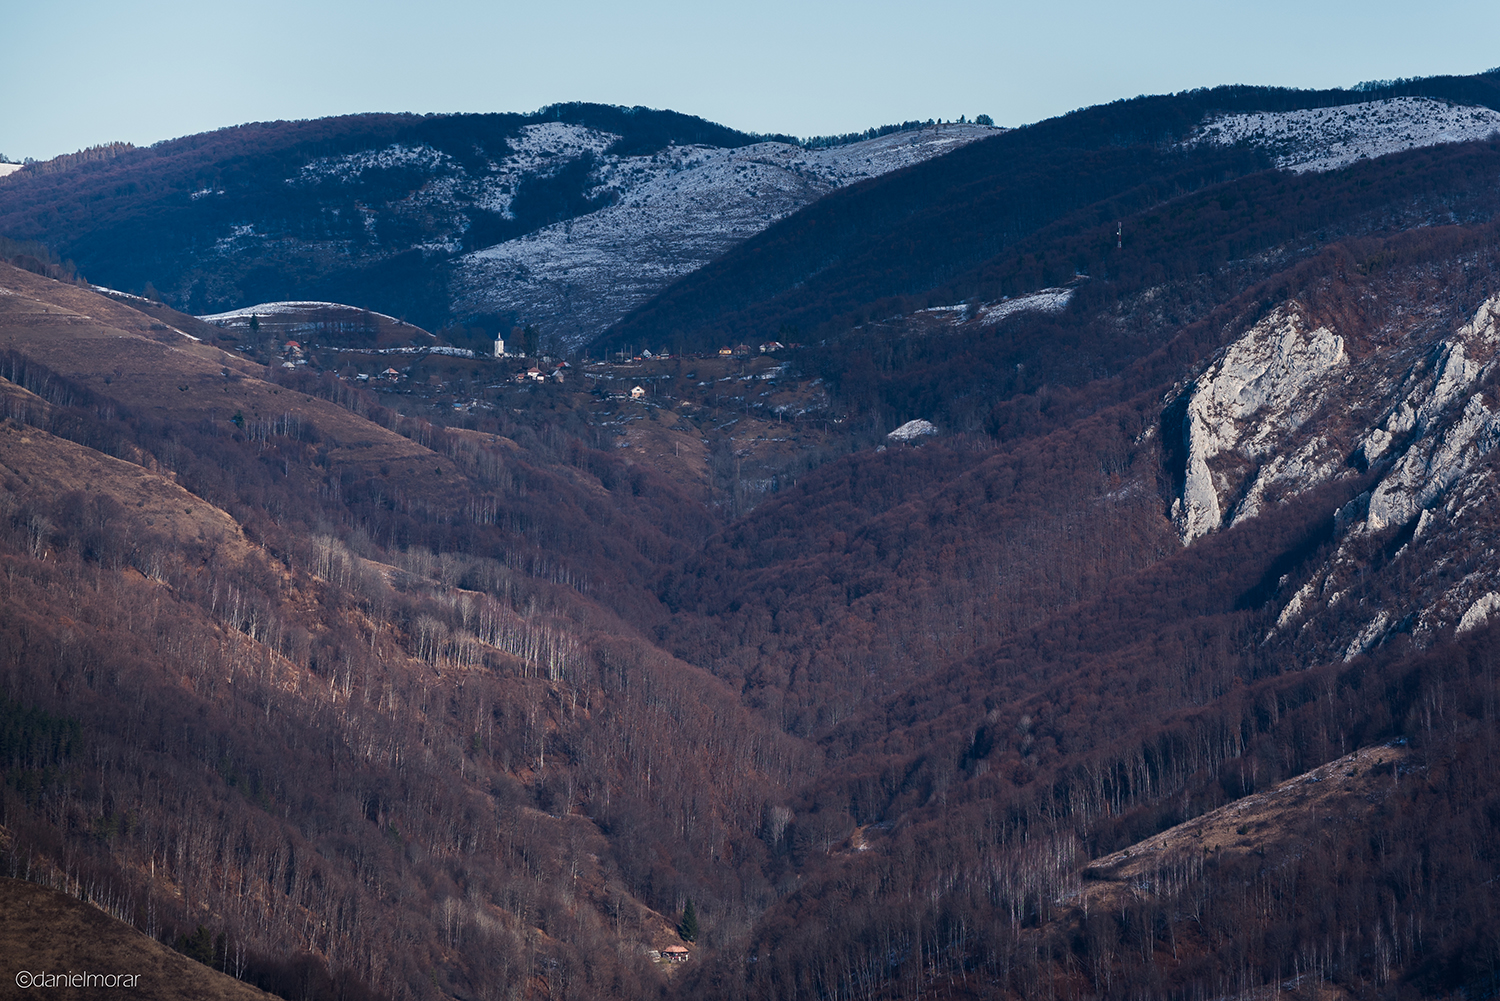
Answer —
138 617
55 476
1274 825
46 931
108 349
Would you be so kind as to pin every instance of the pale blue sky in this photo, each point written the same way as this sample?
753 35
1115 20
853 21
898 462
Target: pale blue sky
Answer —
93 71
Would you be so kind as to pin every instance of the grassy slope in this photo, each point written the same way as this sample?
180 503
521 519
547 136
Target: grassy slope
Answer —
42 930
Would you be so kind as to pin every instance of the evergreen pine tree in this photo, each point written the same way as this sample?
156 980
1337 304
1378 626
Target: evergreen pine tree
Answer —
688 926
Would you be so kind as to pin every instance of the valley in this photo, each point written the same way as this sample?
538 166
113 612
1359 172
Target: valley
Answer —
1055 561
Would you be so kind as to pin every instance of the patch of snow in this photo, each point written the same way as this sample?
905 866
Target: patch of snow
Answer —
282 308
912 430
1321 139
1047 300
350 166
115 292
238 232
538 151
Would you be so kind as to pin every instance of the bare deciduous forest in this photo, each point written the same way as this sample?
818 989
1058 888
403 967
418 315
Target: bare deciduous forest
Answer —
353 696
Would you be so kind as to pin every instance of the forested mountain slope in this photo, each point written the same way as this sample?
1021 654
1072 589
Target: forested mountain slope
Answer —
68 944
563 218
1020 657
465 682
897 243
312 750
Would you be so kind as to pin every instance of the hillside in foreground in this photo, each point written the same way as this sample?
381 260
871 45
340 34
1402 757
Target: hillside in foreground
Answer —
46 934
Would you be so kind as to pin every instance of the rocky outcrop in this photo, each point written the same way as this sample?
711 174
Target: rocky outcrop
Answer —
1441 446
1432 464
1479 612
1245 407
1285 408
912 430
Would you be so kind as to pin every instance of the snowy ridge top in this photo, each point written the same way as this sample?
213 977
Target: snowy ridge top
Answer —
283 308
1330 138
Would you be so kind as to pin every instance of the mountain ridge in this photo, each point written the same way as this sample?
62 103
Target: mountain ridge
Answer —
467 678
366 209
824 291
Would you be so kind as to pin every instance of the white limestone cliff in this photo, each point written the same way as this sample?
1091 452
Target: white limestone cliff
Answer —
1430 456
1444 441
1247 403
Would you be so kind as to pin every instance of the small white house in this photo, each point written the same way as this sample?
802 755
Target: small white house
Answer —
638 393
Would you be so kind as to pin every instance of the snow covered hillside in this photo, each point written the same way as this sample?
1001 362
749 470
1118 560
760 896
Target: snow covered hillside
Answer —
273 309
331 325
667 214
448 195
1330 138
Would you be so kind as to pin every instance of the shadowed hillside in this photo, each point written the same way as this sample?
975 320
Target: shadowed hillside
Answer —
903 242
